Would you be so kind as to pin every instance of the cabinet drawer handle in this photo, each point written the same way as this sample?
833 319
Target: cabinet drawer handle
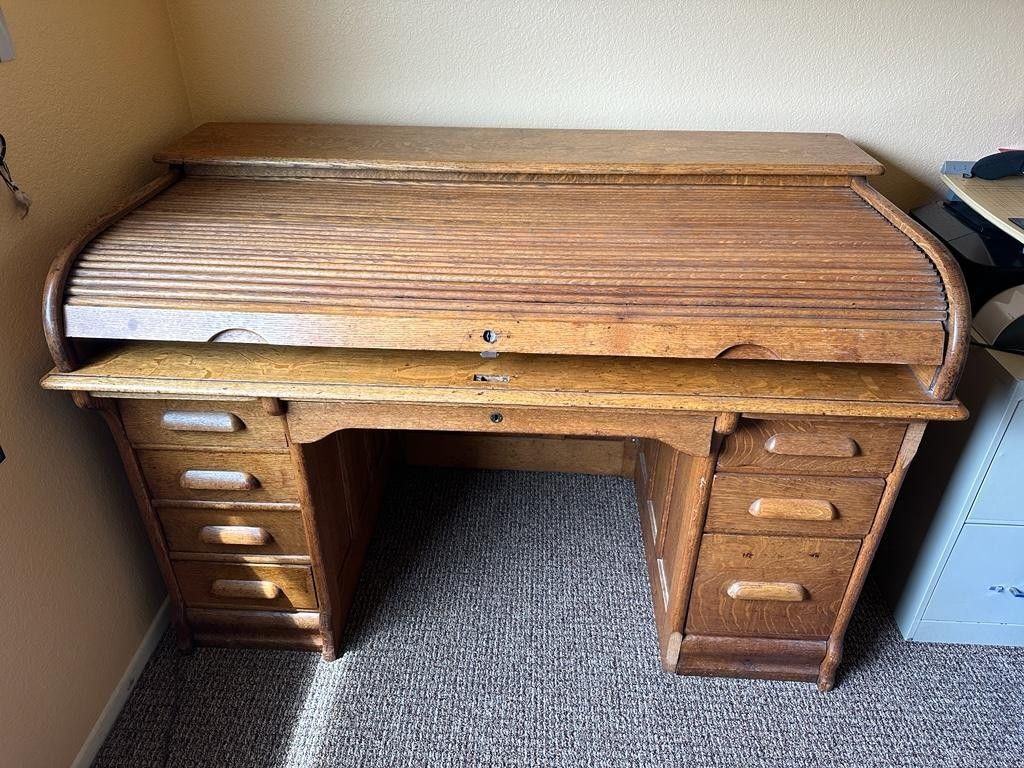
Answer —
246 590
793 509
201 421
240 535
782 591
218 480
809 444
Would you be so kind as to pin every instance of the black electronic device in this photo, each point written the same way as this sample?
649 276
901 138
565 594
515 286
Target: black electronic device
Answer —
1000 165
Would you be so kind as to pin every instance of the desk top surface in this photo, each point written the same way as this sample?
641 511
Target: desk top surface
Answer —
997 200
519 150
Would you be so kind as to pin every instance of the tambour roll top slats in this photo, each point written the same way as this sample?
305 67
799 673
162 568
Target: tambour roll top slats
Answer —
513 260
545 250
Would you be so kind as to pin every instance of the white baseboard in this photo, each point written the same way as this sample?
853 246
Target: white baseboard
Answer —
108 716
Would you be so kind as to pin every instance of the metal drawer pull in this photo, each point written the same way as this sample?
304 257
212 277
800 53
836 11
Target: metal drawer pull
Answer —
810 444
246 590
793 509
239 535
218 480
781 591
201 421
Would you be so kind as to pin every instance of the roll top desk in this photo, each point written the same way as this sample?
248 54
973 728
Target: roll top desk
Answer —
764 332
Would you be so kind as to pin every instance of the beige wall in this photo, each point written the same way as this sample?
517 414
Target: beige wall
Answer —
94 90
913 82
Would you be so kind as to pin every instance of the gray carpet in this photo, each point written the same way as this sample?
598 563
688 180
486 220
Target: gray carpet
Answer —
503 619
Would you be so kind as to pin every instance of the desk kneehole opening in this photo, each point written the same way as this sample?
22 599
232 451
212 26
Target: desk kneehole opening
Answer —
768 591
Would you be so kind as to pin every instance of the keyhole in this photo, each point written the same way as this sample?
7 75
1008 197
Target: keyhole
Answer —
497 418
490 336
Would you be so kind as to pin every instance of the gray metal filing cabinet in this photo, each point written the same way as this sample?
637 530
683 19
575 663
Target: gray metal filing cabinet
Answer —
952 561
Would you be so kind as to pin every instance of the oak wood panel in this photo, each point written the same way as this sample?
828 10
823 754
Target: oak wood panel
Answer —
238 424
834 652
273 474
213 584
669 637
810 447
297 630
852 503
666 460
548 268
943 385
311 421
184 529
683 513
757 657
237 370
380 174
821 567
546 453
518 150
61 349
342 479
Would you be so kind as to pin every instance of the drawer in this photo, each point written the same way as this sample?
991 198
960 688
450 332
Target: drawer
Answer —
813 447
793 504
219 476
769 586
241 424
241 531
983 579
238 585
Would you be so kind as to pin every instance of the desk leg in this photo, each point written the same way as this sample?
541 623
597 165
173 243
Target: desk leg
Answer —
673 490
341 480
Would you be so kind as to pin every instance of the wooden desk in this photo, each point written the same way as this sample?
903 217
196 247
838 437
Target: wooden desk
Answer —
766 333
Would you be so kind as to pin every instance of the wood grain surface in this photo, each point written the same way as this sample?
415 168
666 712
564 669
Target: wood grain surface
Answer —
239 424
688 432
757 657
186 529
256 629
781 500
518 150
820 566
273 473
237 585
546 268
239 370
813 444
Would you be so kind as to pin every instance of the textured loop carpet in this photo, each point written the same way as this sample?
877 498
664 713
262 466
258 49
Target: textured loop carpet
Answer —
504 619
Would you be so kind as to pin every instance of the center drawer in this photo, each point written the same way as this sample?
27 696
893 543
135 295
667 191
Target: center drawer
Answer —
769 586
219 476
